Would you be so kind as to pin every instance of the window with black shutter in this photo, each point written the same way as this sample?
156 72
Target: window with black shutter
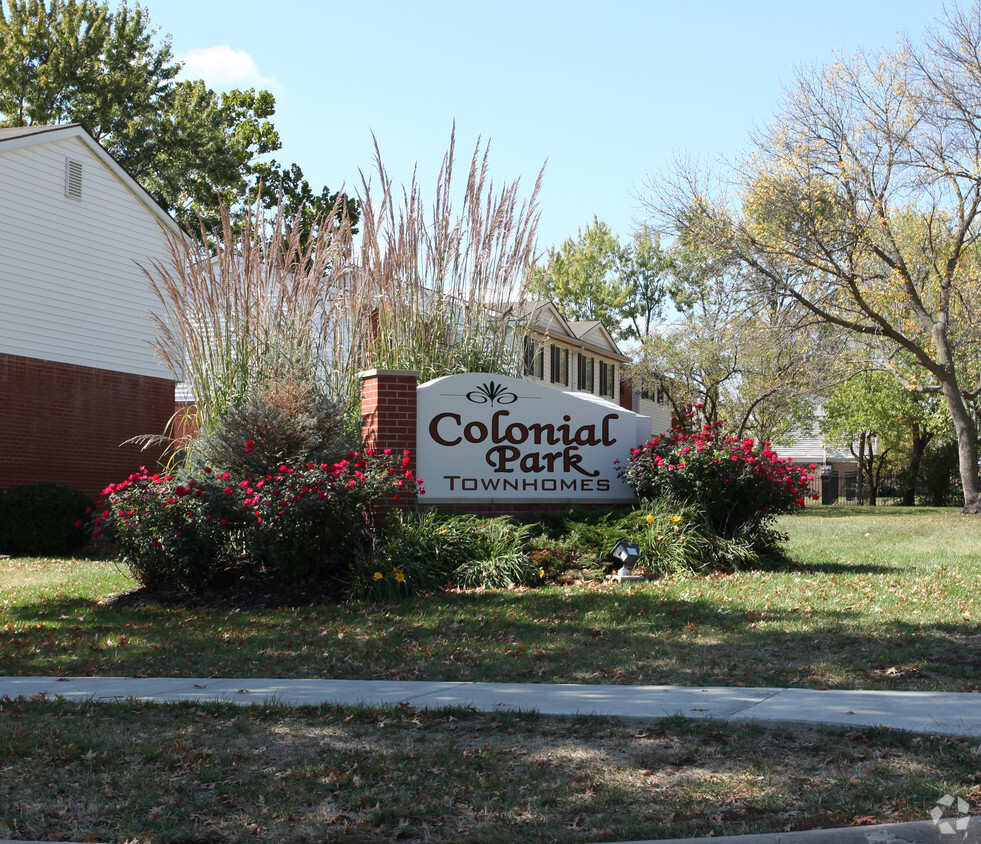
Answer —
559 365
586 367
534 358
607 376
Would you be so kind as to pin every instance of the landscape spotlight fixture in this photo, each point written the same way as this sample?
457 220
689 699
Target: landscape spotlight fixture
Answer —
627 554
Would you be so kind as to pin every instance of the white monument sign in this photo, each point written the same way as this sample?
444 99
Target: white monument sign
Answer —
494 438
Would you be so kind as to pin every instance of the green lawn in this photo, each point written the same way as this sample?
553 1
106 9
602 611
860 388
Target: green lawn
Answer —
872 599
152 773
878 599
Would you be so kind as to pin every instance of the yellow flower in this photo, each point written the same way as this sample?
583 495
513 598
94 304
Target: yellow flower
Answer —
541 572
676 519
650 519
378 575
400 577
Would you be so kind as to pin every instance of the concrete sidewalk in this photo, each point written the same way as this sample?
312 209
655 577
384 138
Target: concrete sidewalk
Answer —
948 713
917 832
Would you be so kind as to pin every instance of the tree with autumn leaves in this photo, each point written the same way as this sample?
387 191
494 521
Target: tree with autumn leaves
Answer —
862 202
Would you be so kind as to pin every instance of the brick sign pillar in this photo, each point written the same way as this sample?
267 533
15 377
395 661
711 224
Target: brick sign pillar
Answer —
388 420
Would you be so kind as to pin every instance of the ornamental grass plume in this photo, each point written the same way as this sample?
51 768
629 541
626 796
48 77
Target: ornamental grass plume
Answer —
247 300
435 290
443 290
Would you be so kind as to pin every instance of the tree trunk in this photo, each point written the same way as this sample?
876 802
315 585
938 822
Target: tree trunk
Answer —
874 471
967 454
921 439
877 462
966 431
873 477
860 480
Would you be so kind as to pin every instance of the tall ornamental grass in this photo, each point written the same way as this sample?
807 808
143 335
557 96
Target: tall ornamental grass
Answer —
444 288
241 303
437 289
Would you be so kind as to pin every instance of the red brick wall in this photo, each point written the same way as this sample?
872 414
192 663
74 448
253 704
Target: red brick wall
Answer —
185 421
627 394
64 424
388 409
388 420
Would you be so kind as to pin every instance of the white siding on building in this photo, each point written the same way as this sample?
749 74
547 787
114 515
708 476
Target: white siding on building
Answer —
809 446
71 288
660 415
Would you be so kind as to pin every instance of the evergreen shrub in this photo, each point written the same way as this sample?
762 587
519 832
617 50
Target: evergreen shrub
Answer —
288 420
43 520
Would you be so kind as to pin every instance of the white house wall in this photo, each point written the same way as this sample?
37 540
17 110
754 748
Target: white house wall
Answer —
71 289
660 415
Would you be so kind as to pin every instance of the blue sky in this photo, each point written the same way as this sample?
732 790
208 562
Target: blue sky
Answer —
605 93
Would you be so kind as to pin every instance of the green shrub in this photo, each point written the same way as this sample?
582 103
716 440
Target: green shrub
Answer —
499 557
558 561
672 538
43 520
416 553
287 419
677 540
311 522
171 530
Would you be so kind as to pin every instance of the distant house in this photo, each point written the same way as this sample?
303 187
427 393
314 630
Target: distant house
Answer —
837 468
582 357
77 374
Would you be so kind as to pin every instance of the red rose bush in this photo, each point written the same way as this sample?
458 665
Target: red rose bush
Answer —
735 486
298 524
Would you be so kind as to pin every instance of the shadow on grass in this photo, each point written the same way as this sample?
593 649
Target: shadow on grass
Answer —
838 567
271 767
552 637
839 511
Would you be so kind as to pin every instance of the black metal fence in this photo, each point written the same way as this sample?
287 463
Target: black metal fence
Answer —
842 488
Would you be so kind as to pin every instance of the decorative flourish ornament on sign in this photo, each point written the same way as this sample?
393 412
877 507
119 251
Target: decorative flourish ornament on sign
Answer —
493 393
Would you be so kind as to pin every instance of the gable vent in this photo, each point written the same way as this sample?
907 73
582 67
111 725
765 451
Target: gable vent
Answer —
73 178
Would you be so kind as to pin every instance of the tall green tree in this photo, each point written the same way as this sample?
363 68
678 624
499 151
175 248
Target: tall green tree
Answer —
594 277
862 201
648 271
861 414
79 61
876 416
